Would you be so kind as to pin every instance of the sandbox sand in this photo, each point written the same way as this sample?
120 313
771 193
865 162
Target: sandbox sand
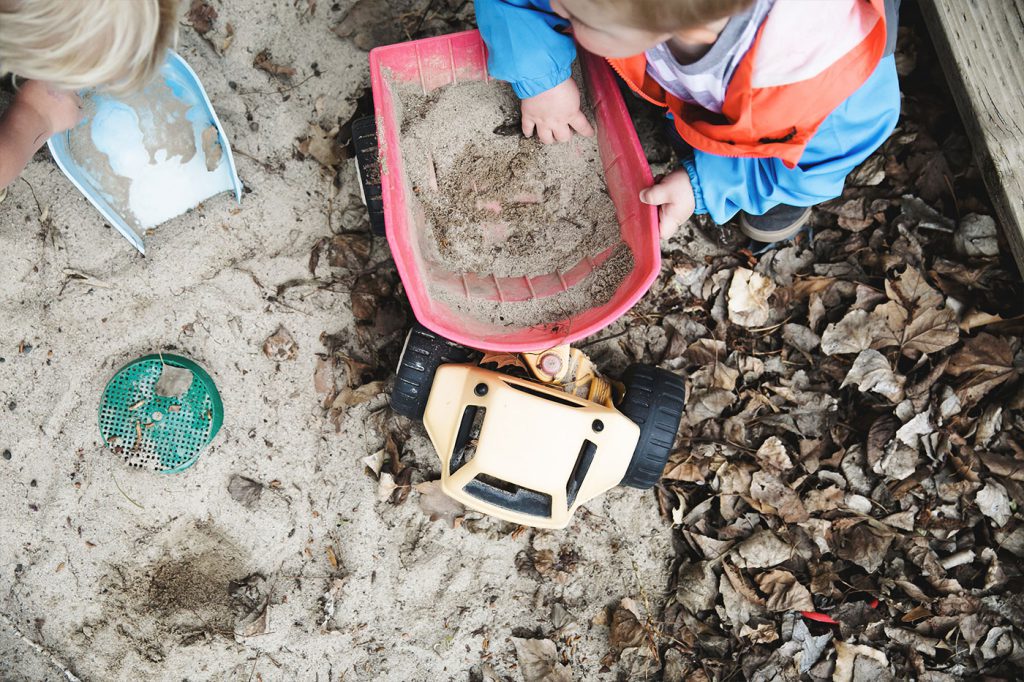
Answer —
122 574
499 204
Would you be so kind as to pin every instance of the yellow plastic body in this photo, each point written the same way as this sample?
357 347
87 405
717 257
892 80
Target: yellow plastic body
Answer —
528 439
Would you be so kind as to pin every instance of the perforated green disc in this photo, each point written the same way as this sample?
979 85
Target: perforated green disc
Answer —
160 424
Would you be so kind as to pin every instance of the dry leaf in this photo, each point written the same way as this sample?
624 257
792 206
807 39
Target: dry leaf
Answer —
856 332
501 360
715 375
323 381
772 454
871 371
244 490
349 397
322 145
264 62
858 663
626 629
255 623
994 503
697 586
761 550
374 463
777 497
538 661
784 592
437 505
707 405
984 363
863 542
280 346
748 298
174 382
201 15
350 250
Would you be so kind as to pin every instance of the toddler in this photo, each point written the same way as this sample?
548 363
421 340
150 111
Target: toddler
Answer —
60 46
771 103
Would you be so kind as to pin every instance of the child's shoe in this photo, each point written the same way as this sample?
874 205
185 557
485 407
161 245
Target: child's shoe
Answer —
777 225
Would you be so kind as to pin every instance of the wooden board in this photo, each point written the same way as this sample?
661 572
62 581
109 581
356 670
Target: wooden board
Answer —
981 45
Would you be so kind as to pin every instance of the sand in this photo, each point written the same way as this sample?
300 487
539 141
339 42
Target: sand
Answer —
499 204
130 575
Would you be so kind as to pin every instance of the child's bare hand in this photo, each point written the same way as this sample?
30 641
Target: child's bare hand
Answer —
555 113
60 110
673 196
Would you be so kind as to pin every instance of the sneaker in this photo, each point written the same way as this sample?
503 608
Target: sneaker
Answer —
777 225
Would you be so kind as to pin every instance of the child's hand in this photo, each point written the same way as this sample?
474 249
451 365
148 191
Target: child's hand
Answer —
555 113
59 110
673 196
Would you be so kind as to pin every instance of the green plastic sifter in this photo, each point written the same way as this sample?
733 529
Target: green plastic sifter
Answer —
158 412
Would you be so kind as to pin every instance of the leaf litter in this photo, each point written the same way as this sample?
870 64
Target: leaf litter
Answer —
847 483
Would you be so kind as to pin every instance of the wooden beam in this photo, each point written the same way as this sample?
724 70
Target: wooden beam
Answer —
981 46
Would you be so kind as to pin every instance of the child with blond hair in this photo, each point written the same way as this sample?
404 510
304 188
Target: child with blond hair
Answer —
60 46
771 103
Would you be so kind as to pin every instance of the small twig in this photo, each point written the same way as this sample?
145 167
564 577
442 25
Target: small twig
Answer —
120 490
281 91
41 650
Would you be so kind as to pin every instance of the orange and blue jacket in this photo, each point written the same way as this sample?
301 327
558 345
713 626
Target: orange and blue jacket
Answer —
811 99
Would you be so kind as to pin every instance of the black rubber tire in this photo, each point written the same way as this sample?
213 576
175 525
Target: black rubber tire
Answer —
364 140
654 401
424 352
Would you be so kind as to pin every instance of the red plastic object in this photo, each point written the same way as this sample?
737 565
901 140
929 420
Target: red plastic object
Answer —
459 57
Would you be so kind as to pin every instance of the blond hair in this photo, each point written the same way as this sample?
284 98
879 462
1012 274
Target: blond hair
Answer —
118 45
668 16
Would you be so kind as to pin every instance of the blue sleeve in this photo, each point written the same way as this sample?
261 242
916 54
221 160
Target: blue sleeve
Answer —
724 186
523 46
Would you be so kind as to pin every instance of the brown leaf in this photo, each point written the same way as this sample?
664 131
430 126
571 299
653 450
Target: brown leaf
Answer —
350 250
501 360
436 504
626 629
349 397
863 542
322 145
856 662
244 490
772 454
280 346
201 15
697 586
538 661
323 380
255 623
748 298
264 62
763 549
707 405
705 352
784 592
880 434
776 497
932 326
856 332
984 363
871 371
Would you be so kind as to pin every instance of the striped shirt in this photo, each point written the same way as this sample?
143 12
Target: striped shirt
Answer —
705 81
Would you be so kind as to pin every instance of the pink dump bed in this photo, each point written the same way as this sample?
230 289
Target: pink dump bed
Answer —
459 57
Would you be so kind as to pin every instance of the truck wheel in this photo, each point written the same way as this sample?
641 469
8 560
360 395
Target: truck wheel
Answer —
424 352
364 140
654 401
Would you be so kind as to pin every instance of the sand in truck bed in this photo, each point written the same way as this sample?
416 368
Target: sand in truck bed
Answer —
497 203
